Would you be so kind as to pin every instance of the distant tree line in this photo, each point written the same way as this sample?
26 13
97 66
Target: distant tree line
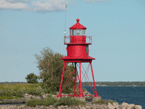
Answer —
119 83
6 82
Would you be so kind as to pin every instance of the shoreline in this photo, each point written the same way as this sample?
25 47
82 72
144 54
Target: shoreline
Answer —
10 104
87 106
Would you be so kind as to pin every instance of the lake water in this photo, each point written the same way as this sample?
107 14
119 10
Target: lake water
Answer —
131 95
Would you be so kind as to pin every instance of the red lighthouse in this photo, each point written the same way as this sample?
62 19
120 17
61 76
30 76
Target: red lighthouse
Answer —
78 52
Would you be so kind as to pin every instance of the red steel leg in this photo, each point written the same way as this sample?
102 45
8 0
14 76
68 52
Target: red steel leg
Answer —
96 95
75 95
60 90
81 91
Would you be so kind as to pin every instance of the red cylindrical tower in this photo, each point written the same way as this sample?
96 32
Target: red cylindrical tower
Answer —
77 52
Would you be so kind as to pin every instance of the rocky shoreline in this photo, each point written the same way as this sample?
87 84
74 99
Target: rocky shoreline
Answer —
89 105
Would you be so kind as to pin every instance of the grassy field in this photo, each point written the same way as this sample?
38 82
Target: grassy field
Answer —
16 91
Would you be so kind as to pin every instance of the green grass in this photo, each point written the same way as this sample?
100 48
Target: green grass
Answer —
53 101
18 86
16 91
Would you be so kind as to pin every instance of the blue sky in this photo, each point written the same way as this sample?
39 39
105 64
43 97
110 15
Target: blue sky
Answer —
116 26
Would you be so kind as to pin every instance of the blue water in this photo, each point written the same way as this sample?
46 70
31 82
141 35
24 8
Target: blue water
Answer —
131 95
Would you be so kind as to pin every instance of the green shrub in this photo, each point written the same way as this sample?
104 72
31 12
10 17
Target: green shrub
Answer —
46 90
53 92
1 99
33 102
18 93
69 102
7 91
6 97
49 101
34 92
32 78
46 101
2 92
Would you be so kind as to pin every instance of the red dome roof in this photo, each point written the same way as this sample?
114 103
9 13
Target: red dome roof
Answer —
78 25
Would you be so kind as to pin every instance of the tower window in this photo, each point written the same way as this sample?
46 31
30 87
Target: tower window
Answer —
86 49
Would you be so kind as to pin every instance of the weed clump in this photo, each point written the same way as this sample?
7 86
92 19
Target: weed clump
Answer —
33 102
103 102
46 101
49 101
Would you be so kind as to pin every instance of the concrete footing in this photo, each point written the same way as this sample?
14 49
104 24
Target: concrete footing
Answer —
96 99
79 98
84 98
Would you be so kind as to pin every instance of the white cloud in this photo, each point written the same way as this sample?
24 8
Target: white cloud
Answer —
95 0
37 5
51 5
14 6
16 1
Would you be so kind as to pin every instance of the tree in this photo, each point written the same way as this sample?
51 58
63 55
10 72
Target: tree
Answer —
32 78
50 67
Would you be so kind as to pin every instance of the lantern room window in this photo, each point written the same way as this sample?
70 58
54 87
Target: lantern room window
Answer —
77 32
84 32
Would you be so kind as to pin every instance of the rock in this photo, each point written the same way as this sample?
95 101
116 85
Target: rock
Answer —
54 96
65 107
44 95
88 103
116 105
93 106
88 107
20 107
82 108
124 105
62 107
1 102
79 98
130 106
59 107
138 107
88 97
105 107
110 106
86 93
27 96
